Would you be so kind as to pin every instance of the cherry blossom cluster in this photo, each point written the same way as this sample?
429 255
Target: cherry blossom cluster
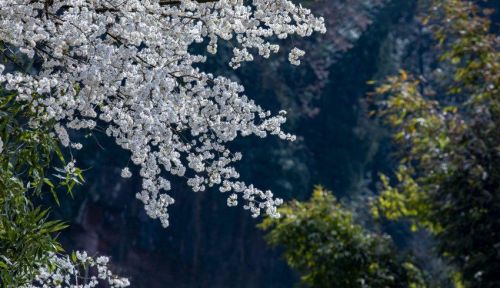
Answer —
295 55
129 66
75 272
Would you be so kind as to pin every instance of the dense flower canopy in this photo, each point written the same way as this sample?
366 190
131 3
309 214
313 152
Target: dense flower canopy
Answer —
128 65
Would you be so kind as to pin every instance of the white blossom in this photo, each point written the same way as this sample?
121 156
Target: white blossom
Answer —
65 272
125 173
127 64
294 56
70 167
77 146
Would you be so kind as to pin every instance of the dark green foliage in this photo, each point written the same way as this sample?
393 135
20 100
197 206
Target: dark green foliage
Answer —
324 244
26 233
448 139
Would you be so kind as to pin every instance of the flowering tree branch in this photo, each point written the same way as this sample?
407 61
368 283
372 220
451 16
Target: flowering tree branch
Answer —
127 64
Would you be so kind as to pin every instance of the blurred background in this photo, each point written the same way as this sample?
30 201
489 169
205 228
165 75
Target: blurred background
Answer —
338 146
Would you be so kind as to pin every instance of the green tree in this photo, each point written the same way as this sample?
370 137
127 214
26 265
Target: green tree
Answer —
448 143
325 245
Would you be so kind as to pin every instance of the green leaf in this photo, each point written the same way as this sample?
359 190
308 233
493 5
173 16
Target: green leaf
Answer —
73 257
48 182
3 265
